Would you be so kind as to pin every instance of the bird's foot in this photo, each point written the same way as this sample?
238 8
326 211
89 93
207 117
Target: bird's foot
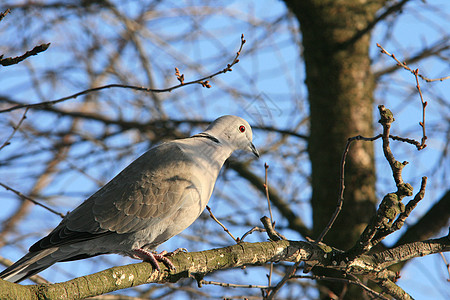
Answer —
153 258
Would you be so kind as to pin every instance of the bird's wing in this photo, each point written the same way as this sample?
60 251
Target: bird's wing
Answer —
150 189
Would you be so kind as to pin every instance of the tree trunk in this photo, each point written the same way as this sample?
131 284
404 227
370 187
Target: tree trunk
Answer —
340 86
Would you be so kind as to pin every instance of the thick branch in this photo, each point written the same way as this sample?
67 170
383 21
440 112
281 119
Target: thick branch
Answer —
417 249
199 264
196 264
394 290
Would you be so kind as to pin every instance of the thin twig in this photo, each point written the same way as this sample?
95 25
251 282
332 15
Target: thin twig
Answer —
24 116
416 74
15 60
201 81
446 264
405 66
406 140
333 279
31 200
342 173
289 274
223 226
3 14
266 188
342 183
250 232
233 285
391 213
424 105
269 224
269 277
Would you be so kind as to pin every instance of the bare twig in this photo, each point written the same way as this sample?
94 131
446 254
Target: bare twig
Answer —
387 118
31 200
405 66
15 128
424 105
334 279
3 14
446 264
436 49
411 205
342 184
269 224
223 226
416 74
250 232
406 140
233 285
202 81
15 60
179 76
269 277
271 232
266 188
290 272
391 213
342 173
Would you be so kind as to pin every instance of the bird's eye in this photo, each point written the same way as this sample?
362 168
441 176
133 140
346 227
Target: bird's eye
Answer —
242 128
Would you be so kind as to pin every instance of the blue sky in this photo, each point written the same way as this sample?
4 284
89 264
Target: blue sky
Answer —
269 91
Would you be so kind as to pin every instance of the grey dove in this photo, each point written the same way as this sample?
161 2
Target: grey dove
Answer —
153 199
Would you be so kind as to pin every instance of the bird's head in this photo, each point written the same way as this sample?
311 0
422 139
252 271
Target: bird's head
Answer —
233 131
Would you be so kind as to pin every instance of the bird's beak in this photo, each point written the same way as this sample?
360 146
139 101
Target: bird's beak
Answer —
253 148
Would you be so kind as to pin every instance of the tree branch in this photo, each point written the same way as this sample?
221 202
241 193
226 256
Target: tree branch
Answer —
199 264
406 67
405 252
3 14
15 60
435 49
202 81
196 264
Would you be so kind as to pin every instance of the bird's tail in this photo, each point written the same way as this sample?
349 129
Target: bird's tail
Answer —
30 264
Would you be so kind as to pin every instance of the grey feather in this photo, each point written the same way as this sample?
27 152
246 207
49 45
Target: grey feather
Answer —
156 197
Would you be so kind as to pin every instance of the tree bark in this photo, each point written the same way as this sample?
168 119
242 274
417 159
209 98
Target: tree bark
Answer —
199 264
340 94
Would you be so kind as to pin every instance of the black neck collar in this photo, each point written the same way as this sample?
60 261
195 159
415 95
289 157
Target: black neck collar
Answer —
207 136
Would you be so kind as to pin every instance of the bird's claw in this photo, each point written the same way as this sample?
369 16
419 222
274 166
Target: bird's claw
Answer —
153 258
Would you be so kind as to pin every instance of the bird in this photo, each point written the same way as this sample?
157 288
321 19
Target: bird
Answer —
154 198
